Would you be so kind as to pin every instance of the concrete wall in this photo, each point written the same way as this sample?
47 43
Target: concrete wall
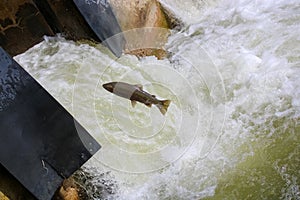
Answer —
23 23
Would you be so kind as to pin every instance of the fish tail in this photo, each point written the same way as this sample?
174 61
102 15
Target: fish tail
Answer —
163 106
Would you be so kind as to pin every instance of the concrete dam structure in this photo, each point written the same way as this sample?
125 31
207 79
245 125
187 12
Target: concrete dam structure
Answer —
40 141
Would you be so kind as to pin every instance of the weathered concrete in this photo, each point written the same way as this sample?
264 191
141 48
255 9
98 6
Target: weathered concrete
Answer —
23 23
21 26
64 17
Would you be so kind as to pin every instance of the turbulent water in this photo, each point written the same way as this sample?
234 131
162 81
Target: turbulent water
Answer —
232 130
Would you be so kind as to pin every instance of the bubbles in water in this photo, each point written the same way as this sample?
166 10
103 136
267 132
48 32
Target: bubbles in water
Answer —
233 78
142 137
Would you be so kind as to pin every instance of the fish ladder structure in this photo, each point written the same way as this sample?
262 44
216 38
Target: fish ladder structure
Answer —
41 143
24 23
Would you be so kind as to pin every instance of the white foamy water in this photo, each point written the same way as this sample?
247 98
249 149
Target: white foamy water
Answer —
232 130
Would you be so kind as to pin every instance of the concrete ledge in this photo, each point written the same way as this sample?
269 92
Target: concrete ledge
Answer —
23 23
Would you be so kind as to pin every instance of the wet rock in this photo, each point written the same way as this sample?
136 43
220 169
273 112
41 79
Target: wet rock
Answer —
3 197
159 53
68 193
143 14
32 19
87 183
139 14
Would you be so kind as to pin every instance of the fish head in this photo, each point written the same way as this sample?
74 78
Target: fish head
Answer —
109 86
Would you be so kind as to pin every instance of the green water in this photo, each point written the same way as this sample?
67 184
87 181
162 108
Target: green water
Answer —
271 172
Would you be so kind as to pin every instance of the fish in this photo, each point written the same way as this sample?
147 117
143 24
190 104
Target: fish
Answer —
135 93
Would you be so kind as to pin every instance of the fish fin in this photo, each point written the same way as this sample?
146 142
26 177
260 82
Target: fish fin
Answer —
139 86
153 96
148 104
163 107
133 103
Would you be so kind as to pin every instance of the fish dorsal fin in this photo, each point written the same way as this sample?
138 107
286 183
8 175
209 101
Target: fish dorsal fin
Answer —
139 86
153 96
133 103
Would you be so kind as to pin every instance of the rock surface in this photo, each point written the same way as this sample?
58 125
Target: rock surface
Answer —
87 183
68 191
140 14
3 197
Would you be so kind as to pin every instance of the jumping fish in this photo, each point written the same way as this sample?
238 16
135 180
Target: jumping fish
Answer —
135 93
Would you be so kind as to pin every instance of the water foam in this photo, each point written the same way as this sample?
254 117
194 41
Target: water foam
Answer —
240 62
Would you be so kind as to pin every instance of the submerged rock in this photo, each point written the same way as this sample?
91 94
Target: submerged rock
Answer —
87 184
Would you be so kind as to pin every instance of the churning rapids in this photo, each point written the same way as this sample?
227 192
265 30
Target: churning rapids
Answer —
232 130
